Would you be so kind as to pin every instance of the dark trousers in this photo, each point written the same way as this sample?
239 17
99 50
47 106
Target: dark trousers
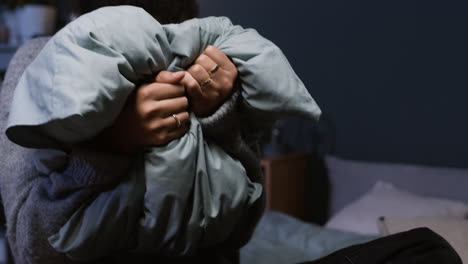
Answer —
417 246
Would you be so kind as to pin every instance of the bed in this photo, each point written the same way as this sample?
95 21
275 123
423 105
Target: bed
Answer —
338 189
351 161
391 79
353 201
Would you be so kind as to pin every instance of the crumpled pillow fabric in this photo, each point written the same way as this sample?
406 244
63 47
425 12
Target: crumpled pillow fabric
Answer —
176 198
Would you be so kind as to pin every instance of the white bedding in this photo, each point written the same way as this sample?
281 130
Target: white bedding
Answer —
282 239
387 200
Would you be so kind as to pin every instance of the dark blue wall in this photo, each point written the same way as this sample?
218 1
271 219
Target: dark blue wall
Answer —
392 75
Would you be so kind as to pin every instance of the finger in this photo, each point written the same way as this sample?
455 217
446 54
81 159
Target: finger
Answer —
161 91
219 57
169 77
207 63
177 133
167 107
192 86
200 74
165 137
171 123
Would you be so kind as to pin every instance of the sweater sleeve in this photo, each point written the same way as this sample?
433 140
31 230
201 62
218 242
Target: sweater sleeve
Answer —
37 206
223 120
268 88
235 118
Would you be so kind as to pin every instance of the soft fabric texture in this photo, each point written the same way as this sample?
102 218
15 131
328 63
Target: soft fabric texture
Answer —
70 108
350 179
29 212
454 230
36 206
386 200
282 239
175 199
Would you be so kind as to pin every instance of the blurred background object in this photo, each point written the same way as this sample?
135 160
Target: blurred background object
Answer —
9 22
30 18
4 31
21 20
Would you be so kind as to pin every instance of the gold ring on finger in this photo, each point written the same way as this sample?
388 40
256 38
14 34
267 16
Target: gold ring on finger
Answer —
206 82
177 119
215 69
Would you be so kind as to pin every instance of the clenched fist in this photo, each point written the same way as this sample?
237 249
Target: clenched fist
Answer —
154 115
209 81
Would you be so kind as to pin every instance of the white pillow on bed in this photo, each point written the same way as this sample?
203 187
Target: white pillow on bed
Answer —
384 199
350 179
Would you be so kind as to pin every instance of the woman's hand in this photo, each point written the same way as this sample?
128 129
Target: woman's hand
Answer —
155 115
210 81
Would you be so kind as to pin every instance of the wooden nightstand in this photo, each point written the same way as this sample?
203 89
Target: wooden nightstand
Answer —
286 183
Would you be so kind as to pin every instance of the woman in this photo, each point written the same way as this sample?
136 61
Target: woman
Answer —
156 114
209 82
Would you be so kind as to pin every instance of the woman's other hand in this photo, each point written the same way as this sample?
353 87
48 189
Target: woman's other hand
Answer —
209 81
154 115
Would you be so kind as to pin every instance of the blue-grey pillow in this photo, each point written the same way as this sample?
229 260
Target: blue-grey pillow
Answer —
280 238
80 81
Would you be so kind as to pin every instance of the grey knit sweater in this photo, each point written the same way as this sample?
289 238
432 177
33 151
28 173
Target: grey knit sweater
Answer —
36 206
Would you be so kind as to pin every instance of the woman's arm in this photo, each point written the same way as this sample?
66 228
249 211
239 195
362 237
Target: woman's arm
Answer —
147 118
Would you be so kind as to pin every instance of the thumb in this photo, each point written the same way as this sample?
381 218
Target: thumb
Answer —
169 77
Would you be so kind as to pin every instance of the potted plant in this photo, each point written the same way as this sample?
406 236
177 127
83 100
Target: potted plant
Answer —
33 17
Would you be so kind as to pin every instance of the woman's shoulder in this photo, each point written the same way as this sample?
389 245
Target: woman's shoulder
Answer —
22 58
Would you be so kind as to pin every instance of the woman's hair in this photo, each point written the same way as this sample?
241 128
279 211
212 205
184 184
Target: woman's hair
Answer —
165 11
